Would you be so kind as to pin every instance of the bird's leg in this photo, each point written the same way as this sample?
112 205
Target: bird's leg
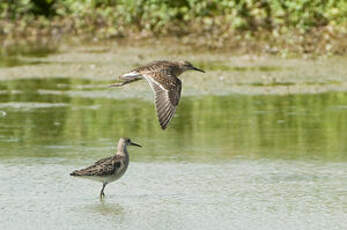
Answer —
102 194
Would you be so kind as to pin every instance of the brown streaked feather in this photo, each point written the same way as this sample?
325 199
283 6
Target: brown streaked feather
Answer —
104 167
102 160
167 93
154 66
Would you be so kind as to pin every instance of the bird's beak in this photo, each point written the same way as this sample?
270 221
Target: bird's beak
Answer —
132 143
197 69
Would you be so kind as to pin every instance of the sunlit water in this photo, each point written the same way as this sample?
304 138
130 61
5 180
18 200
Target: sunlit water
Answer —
232 162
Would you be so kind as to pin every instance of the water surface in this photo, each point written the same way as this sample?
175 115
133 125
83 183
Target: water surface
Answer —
225 162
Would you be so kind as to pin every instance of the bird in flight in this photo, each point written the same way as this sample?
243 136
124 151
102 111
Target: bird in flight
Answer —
162 78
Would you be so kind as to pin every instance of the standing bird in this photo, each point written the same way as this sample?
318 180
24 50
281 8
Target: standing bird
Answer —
108 169
162 77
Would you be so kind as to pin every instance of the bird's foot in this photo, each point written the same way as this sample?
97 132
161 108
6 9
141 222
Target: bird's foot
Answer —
102 195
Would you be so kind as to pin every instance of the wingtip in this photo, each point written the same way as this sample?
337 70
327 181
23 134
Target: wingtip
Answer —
163 124
164 121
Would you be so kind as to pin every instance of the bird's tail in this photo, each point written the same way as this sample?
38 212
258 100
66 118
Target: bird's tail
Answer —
130 76
75 173
118 84
127 78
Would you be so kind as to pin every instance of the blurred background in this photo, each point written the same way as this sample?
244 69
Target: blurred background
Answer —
266 26
257 142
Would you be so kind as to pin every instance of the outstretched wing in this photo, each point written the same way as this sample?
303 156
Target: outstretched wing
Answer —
103 167
167 93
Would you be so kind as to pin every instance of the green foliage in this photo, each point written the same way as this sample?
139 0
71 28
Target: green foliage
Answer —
156 14
215 20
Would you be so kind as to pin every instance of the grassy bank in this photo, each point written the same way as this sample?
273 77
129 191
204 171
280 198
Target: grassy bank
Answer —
270 26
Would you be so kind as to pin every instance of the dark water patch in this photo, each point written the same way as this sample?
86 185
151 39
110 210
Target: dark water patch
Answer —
12 55
61 84
277 83
96 50
15 61
223 66
213 66
256 68
332 82
271 84
29 50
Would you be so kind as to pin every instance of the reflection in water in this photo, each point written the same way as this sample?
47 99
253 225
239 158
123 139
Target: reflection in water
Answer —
204 128
12 62
105 208
15 56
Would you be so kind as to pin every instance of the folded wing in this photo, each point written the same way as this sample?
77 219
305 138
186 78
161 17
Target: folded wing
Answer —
103 167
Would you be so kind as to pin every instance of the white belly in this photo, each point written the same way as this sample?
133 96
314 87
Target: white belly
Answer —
107 179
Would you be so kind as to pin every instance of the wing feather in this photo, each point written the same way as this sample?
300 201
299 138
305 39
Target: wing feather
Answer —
167 93
102 167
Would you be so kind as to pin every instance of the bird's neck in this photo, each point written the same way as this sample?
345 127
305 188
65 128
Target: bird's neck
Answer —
122 149
178 71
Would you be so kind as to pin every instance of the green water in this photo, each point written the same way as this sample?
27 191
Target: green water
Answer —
225 162
208 128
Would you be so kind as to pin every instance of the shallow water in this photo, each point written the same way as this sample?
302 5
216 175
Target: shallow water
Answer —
225 162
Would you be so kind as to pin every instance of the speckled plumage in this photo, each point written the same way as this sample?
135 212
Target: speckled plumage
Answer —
162 78
104 167
108 169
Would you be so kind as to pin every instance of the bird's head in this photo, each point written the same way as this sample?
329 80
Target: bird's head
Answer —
186 65
128 142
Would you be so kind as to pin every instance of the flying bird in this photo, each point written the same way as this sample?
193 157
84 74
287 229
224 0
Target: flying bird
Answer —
162 78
